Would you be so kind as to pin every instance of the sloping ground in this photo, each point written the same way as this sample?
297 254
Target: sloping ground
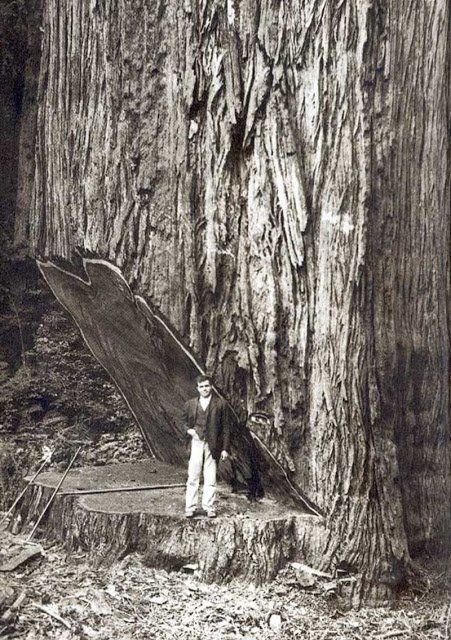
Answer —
250 540
58 396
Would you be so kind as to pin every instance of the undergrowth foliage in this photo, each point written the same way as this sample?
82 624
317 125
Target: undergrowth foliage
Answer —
62 388
61 398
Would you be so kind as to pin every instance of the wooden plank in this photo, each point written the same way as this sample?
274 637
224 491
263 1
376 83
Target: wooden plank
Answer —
19 555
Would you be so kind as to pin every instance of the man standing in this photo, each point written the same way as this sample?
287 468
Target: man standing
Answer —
206 420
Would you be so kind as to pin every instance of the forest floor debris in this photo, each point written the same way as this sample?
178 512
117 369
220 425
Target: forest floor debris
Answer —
62 597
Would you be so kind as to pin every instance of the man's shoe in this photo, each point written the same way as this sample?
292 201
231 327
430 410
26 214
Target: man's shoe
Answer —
189 514
211 514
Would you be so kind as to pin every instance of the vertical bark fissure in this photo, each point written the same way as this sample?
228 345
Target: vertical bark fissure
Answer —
262 173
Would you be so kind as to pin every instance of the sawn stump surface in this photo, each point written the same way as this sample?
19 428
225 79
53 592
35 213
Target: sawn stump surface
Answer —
248 539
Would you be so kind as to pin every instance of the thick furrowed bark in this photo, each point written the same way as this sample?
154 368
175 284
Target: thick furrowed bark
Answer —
272 177
420 315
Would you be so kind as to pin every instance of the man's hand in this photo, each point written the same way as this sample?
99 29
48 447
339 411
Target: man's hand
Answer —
224 455
193 434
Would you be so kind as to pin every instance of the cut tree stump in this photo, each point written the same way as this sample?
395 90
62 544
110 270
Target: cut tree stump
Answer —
248 540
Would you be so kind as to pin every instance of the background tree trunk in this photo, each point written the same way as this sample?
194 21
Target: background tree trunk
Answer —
273 176
19 72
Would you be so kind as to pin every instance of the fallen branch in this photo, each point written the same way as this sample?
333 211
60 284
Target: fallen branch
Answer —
49 611
6 617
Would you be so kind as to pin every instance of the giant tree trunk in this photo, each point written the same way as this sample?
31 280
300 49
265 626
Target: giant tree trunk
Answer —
272 176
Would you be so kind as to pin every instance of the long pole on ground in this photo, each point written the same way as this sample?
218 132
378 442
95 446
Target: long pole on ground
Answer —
149 487
53 494
10 510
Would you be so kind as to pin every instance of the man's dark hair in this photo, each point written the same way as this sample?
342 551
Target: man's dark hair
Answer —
203 378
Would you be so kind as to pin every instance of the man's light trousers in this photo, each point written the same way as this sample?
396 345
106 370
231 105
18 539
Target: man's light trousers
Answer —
201 456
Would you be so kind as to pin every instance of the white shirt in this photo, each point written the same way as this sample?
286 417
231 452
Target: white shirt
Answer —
204 402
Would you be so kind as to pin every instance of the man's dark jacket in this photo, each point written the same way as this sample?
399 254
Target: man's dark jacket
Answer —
217 432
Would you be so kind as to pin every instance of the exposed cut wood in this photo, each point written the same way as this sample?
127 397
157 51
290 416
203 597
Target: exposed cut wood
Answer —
248 540
155 372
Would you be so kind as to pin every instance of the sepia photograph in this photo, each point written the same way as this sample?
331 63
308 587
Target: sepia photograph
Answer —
225 300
